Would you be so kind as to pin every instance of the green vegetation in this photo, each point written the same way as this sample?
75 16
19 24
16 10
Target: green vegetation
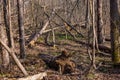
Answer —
60 36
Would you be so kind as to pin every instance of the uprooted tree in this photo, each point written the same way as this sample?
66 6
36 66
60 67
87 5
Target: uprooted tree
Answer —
62 63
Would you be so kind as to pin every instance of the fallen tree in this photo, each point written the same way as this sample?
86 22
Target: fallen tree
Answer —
35 77
61 63
33 38
101 46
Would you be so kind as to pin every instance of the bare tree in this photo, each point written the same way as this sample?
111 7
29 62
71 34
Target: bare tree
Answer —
21 28
115 38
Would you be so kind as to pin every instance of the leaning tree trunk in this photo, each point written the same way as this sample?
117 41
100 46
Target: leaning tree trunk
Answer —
21 28
100 30
115 24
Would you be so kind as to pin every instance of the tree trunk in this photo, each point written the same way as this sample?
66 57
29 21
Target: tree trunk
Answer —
115 42
21 28
10 26
87 25
33 38
6 20
5 55
38 76
94 33
11 52
100 30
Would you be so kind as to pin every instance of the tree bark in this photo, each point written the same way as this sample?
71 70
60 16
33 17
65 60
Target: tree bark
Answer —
100 30
59 63
21 28
94 33
35 77
10 25
33 38
103 48
115 42
5 54
6 21
3 36
87 25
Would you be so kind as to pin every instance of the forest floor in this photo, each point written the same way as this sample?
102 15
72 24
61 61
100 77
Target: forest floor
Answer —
34 64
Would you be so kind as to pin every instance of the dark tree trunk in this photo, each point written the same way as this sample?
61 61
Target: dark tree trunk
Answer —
21 28
115 42
100 30
6 21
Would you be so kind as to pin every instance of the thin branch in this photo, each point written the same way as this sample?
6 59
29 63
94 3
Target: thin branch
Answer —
72 27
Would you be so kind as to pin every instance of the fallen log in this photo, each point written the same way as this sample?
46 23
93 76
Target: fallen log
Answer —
45 31
39 76
107 39
61 63
49 61
104 48
101 46
33 38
